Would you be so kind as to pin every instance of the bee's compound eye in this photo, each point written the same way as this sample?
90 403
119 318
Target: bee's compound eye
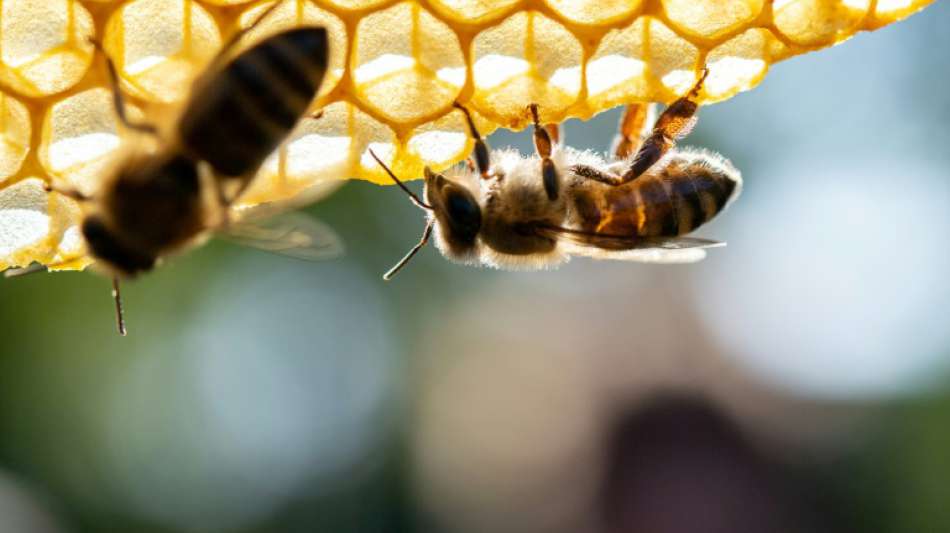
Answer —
463 212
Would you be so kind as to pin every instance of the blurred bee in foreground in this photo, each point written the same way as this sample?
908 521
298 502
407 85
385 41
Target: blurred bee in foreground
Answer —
162 201
508 211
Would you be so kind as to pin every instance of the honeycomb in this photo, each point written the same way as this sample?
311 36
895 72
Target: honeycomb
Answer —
395 69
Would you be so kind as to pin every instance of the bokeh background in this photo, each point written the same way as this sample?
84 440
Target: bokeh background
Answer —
797 380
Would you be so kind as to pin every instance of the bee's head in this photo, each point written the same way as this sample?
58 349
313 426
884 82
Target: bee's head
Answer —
109 249
457 216
452 210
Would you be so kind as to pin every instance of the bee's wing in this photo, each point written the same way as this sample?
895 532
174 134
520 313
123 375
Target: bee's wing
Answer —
660 256
666 250
299 200
278 228
293 234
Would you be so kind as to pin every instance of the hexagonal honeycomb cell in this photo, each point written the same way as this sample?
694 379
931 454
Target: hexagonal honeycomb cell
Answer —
45 45
395 69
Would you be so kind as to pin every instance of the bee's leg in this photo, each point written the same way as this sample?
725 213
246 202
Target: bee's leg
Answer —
543 145
676 122
481 149
597 175
224 205
68 192
223 198
634 127
225 50
119 314
118 99
242 187
554 132
226 199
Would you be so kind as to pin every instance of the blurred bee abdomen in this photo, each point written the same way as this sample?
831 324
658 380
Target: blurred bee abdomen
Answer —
236 119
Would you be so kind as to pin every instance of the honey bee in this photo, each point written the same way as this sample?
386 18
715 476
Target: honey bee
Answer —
511 212
240 109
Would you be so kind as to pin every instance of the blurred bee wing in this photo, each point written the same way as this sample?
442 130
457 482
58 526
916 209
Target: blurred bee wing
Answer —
278 228
310 195
293 234
667 250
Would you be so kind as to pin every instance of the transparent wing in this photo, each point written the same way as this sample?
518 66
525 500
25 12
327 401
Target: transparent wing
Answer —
667 250
293 234
299 200
660 256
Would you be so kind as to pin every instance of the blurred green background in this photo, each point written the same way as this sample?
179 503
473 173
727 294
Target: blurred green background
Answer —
797 380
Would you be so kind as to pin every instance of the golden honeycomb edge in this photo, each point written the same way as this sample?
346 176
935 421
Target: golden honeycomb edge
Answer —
395 69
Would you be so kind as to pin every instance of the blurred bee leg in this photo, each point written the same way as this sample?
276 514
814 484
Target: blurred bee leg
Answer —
225 50
224 205
224 194
244 183
555 133
634 127
118 99
676 122
481 149
68 192
119 314
543 146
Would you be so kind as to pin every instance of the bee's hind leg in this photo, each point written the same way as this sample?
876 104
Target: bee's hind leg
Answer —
635 125
676 122
544 146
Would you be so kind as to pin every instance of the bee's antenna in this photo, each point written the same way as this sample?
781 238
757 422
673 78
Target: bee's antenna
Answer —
412 196
119 315
402 262
426 233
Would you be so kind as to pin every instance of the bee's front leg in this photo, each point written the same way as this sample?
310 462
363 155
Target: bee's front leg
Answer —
544 146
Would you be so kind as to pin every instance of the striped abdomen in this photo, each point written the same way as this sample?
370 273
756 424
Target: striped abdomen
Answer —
238 115
674 200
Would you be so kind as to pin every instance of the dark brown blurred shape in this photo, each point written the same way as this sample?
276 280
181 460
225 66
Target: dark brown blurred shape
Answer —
677 464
